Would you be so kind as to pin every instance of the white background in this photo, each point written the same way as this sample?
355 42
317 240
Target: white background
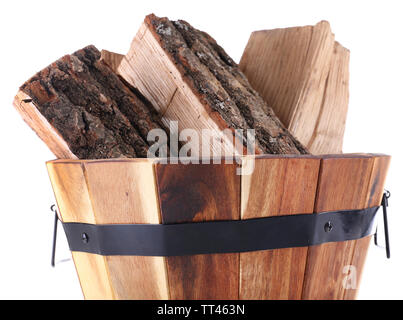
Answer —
35 33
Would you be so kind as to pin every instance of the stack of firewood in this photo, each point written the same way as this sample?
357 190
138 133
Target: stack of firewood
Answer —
291 87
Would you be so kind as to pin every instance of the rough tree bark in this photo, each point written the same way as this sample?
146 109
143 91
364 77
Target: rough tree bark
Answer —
91 108
199 78
82 108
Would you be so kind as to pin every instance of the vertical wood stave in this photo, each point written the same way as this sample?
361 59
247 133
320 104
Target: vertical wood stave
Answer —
278 186
74 203
374 198
118 191
343 184
124 192
194 193
143 191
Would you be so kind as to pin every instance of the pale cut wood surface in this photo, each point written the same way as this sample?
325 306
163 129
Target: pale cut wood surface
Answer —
112 59
278 186
343 184
302 73
123 191
193 193
147 68
194 82
31 115
328 134
374 198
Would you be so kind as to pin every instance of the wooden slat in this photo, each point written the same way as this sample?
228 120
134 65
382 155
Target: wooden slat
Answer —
200 192
124 192
120 191
74 205
374 198
278 186
343 184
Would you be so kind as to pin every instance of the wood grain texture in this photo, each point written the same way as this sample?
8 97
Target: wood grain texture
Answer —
374 198
343 184
148 68
49 134
200 192
192 83
278 186
74 203
328 133
302 73
121 191
127 190
148 191
82 109
112 59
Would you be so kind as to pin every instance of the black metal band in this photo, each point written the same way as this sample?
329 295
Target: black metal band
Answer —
221 236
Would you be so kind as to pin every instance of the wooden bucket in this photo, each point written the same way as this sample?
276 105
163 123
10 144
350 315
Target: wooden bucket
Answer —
146 191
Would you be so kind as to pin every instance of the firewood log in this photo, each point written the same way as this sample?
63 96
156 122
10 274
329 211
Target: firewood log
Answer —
302 73
82 109
189 78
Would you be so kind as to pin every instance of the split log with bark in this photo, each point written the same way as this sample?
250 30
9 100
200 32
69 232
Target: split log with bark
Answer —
190 79
82 109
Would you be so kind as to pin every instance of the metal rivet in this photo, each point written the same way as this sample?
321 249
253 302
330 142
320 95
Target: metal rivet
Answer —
328 226
84 237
